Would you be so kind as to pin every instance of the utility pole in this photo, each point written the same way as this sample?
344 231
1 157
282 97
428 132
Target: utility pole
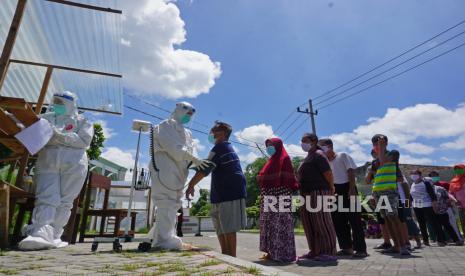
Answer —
311 113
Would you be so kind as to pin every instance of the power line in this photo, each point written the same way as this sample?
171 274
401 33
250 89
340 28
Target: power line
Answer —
290 125
285 120
390 60
297 128
389 69
163 109
193 129
392 77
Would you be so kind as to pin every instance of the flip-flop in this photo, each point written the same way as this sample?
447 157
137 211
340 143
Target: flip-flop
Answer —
325 258
308 256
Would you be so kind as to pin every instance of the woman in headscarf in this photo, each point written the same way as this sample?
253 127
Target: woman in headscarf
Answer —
316 183
277 182
457 189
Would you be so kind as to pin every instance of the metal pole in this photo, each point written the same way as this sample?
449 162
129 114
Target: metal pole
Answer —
10 40
312 116
134 179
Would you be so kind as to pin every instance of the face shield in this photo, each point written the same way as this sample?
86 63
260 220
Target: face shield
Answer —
184 113
64 103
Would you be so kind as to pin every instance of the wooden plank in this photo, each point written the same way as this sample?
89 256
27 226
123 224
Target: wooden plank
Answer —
43 90
12 103
13 145
4 213
7 125
11 39
25 116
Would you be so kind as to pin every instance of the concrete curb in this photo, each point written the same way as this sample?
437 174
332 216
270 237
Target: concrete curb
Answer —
264 270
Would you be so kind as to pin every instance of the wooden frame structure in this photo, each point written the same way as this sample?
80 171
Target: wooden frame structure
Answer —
5 61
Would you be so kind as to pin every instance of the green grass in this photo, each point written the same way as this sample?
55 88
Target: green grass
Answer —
210 262
8 271
3 253
187 254
130 267
253 270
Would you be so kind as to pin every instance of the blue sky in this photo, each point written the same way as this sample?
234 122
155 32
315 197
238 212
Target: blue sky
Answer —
274 55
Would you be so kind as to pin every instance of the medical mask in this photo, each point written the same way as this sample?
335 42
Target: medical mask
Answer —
436 179
415 177
306 146
270 150
211 138
185 119
59 109
459 171
325 149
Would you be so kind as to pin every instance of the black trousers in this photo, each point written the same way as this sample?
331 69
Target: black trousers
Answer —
445 223
425 215
348 225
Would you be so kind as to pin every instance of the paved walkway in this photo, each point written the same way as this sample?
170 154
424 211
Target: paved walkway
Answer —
433 260
79 260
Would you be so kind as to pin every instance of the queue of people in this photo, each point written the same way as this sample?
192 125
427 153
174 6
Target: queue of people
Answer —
325 172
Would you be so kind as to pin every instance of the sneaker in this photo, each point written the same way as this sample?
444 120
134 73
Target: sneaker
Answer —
459 243
441 244
383 246
325 258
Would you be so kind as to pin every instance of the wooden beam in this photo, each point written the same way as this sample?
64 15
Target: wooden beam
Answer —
66 68
4 213
11 39
86 6
43 90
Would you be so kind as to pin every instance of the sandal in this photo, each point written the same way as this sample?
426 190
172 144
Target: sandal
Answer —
391 250
308 256
344 253
265 257
360 254
325 258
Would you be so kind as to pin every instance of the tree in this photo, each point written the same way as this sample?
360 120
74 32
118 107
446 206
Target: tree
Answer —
202 206
95 149
251 172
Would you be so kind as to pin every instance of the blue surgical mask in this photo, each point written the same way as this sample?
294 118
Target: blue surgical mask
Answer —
59 109
211 138
185 119
271 150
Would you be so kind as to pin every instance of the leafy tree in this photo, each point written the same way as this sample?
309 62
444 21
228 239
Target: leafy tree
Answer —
202 206
251 172
95 149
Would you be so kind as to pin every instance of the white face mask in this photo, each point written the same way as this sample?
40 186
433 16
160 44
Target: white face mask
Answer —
306 147
415 177
325 149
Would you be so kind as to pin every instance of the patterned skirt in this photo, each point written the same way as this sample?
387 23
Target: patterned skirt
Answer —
318 227
277 229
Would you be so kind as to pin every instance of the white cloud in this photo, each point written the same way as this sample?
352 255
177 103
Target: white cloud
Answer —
153 64
116 155
294 150
249 157
408 159
404 127
198 147
458 144
256 133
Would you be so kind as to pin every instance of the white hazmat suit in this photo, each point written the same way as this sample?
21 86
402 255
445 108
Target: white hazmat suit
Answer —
172 154
59 174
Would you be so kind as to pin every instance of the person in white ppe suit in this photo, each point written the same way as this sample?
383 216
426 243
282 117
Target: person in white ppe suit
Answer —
172 154
60 173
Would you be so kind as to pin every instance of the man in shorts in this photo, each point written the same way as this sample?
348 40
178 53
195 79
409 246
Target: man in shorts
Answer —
385 189
228 188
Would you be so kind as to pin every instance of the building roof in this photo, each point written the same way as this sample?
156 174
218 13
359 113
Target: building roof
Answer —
65 35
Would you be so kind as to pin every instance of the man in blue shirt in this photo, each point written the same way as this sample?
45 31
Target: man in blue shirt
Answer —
228 188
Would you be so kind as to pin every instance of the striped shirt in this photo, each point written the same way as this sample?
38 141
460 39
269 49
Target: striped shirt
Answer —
386 178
